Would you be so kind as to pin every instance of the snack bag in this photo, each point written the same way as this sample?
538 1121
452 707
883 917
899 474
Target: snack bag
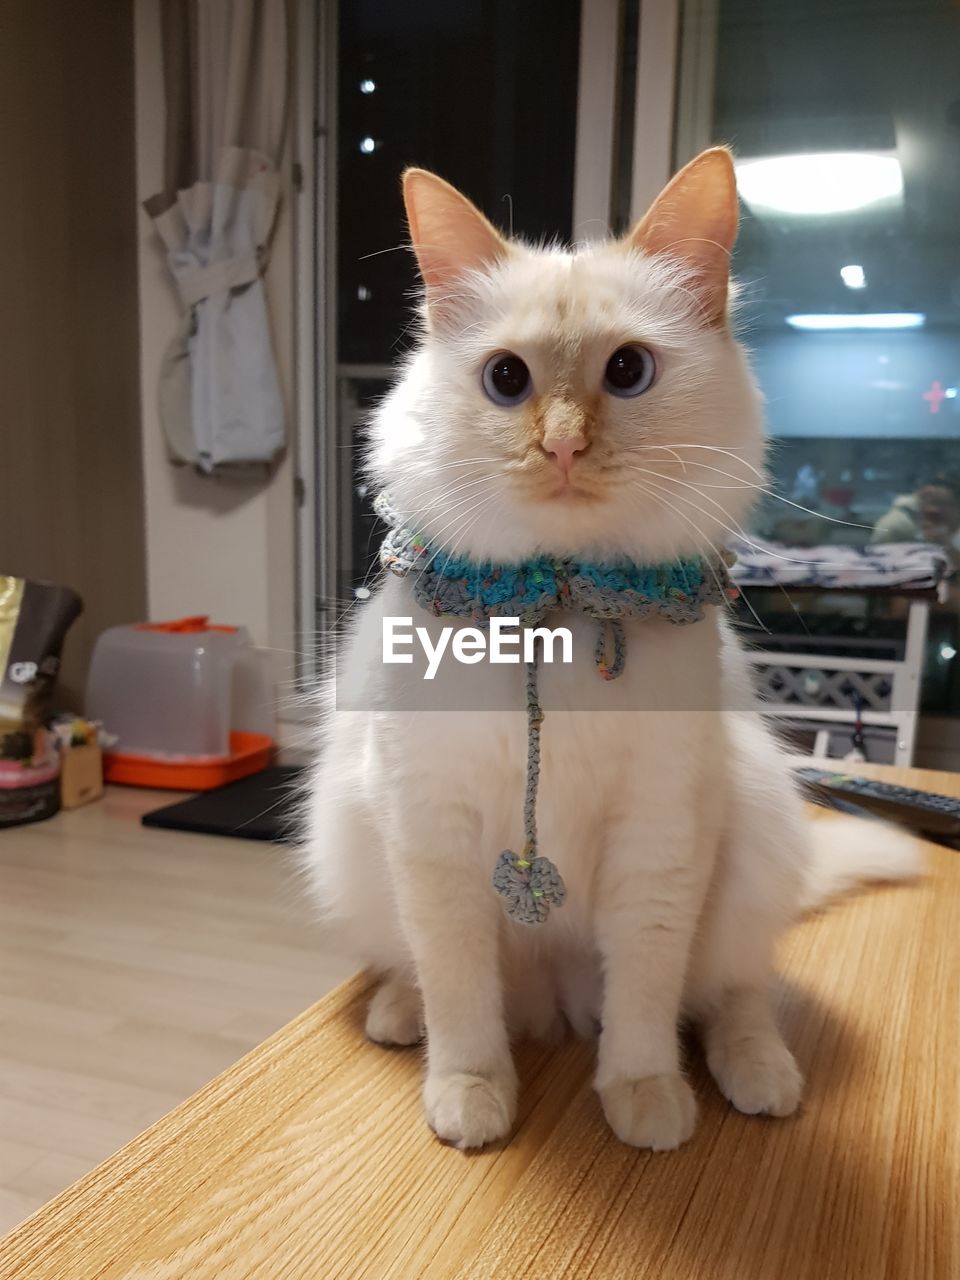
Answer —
34 619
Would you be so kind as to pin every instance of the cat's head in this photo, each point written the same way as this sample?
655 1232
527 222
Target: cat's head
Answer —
590 402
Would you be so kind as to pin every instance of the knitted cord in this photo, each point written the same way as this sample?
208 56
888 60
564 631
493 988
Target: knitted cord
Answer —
529 883
534 720
611 629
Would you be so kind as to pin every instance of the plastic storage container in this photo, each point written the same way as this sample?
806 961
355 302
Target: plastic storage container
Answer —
190 703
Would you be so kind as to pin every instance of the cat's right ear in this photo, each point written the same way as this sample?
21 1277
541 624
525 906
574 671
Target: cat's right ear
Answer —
694 221
450 237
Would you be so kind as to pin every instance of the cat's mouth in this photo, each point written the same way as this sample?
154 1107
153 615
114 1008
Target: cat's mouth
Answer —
575 487
586 480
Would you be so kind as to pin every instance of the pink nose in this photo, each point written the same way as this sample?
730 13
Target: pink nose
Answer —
563 450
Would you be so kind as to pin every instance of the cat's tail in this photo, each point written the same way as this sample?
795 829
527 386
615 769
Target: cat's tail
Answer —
850 852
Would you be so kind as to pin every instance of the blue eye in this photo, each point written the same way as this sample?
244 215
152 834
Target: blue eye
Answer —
506 379
630 371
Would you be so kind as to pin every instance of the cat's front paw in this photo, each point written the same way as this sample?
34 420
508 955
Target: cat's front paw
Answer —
470 1110
657 1112
759 1076
395 1016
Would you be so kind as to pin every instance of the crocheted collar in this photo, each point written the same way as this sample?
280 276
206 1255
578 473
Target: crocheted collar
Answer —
619 589
610 592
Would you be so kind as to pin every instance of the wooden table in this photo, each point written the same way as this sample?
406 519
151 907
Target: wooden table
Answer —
310 1160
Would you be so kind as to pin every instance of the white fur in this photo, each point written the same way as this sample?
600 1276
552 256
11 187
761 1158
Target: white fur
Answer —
664 799
847 853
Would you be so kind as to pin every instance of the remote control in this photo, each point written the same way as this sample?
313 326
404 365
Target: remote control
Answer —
919 810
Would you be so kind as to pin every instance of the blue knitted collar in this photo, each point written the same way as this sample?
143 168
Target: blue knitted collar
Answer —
454 585
612 593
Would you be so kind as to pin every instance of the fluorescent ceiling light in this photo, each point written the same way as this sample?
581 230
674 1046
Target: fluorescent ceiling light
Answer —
860 320
820 183
853 276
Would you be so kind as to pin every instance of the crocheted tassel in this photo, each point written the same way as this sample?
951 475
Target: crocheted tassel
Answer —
529 888
529 885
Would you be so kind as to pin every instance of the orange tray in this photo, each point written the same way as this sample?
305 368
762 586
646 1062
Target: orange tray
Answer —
249 753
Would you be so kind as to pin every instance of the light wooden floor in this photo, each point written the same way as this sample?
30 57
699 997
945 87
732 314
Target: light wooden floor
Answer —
134 966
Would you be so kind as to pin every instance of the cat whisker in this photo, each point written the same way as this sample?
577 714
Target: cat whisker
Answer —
850 524
705 484
770 493
720 471
710 543
741 481
739 531
742 533
666 449
484 506
449 297
468 501
582 243
790 601
713 448
456 523
395 248
466 487
480 495
696 302
458 484
469 328
462 525
407 328
461 462
686 444
459 487
481 501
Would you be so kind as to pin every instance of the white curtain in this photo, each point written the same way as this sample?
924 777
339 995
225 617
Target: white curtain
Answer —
225 72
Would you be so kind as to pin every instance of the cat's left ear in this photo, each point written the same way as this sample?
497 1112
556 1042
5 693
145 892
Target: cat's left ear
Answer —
450 236
694 219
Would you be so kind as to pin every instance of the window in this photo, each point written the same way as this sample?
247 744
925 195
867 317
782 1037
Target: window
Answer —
484 93
845 119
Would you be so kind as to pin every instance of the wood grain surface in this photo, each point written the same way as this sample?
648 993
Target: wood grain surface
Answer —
309 1158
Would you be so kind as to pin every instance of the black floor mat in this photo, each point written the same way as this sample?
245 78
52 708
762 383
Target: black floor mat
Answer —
261 807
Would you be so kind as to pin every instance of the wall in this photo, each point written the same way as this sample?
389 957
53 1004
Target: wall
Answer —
71 494
218 547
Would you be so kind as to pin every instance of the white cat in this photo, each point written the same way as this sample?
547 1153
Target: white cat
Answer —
588 404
